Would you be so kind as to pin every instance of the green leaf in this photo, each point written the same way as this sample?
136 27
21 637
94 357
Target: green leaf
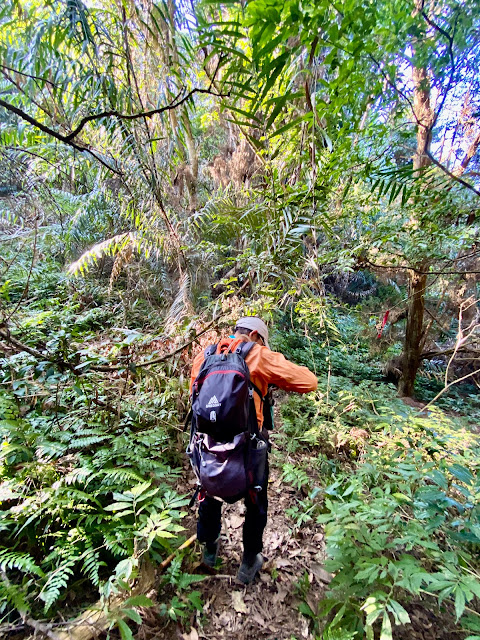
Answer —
459 602
133 615
461 473
401 616
195 598
386 631
140 488
290 125
306 610
401 497
138 601
125 631
118 506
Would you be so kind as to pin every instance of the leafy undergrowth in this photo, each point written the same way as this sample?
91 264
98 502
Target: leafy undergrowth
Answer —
397 492
92 488
88 461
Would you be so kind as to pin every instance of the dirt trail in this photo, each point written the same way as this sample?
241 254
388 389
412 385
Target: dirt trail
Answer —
269 607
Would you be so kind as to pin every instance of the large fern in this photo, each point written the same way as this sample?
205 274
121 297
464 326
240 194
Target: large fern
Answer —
21 561
56 582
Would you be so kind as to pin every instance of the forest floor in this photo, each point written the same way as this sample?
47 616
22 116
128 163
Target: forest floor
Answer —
268 608
293 574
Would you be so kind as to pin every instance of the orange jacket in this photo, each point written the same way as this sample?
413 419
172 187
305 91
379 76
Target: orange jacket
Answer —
266 367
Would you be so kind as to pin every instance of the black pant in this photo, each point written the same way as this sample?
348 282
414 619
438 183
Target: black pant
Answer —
210 521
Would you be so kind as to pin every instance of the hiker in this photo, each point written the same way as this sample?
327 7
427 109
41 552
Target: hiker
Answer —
266 368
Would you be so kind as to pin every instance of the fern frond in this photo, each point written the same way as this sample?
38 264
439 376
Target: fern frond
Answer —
85 443
21 561
182 305
111 477
113 545
295 476
91 565
14 594
111 247
79 497
77 475
57 581
124 257
47 450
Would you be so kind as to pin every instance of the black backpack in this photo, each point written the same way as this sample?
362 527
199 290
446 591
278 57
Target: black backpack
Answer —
226 450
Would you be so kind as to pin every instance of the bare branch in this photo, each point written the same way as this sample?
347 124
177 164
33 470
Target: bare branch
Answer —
76 367
451 174
401 93
176 102
419 271
28 75
51 132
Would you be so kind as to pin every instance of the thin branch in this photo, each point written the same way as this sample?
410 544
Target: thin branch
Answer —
40 157
428 355
147 363
396 89
420 271
76 367
469 154
450 384
176 102
5 335
28 75
452 62
39 125
452 175
22 90
51 132
29 275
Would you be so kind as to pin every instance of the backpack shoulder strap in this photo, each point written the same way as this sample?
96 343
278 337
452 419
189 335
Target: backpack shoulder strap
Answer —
210 350
244 349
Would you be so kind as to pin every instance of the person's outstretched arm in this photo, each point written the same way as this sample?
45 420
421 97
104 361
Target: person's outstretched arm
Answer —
286 375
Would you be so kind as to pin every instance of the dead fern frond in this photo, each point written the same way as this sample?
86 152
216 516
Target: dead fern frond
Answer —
123 257
182 305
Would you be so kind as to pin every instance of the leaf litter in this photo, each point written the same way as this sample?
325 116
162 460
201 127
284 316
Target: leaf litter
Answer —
268 608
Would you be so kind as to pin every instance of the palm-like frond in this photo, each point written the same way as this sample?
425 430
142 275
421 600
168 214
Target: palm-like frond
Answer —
111 246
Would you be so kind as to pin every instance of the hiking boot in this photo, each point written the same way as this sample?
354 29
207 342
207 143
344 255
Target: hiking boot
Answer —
210 553
247 572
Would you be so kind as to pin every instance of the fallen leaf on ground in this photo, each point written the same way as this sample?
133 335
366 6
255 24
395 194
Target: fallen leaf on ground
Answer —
193 635
258 618
275 541
225 618
238 603
281 563
320 573
280 596
235 521
305 630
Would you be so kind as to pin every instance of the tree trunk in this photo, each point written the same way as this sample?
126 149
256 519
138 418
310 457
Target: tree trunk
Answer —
417 282
413 332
